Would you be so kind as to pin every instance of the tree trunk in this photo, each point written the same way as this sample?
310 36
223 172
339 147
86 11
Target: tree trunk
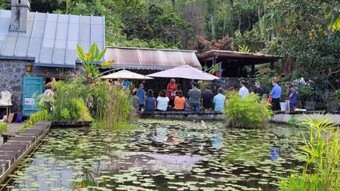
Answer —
212 26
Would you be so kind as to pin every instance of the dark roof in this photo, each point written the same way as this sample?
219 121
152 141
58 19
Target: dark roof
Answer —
236 57
50 39
150 59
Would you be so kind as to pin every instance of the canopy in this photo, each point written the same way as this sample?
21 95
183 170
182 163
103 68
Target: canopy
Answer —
125 74
186 72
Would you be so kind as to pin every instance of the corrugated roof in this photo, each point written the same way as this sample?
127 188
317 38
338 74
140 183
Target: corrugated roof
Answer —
150 59
237 57
50 39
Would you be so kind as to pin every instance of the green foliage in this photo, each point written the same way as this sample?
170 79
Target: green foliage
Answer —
3 127
41 115
91 61
69 103
249 112
294 122
265 76
244 48
117 109
322 151
109 105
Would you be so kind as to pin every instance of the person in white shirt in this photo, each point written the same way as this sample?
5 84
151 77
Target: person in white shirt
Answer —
162 101
243 92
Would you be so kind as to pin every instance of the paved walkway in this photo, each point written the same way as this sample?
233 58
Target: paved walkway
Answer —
284 118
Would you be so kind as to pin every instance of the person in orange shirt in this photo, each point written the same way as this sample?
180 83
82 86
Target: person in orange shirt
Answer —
171 91
179 101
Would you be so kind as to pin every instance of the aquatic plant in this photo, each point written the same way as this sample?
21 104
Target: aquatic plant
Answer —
322 151
249 112
3 127
209 158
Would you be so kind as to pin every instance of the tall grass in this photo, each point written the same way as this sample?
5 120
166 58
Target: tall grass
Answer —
113 107
322 149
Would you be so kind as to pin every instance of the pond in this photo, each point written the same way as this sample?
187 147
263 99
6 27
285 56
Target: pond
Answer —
161 155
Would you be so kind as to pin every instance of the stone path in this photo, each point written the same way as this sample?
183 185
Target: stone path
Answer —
284 118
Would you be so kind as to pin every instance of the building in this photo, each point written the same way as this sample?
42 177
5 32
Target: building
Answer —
235 64
148 60
35 47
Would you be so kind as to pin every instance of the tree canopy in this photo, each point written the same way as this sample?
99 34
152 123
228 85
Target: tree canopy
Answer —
306 33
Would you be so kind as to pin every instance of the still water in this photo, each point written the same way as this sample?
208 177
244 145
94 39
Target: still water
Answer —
163 156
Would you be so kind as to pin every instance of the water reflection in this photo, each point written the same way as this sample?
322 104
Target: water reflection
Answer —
160 157
274 153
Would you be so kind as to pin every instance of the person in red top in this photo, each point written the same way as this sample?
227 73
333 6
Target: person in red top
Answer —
171 91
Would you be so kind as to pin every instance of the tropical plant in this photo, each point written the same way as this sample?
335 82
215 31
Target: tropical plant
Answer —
91 61
249 112
322 152
3 127
244 48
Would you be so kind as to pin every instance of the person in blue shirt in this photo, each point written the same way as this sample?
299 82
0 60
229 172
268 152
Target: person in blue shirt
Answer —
219 101
126 84
275 94
150 101
293 94
141 97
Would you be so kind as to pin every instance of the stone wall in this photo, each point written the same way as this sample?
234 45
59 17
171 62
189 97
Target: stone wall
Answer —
12 72
11 75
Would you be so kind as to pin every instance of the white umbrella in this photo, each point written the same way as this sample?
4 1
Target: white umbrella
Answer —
125 74
186 72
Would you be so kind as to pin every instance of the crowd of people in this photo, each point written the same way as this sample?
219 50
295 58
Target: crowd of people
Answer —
172 98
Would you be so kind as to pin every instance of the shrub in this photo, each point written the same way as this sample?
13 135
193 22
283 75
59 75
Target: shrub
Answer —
249 112
3 127
322 149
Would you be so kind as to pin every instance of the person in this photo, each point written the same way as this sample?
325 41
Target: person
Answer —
194 97
48 96
179 101
119 82
219 101
171 91
126 84
275 96
258 90
292 97
207 98
162 101
243 92
150 101
141 97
